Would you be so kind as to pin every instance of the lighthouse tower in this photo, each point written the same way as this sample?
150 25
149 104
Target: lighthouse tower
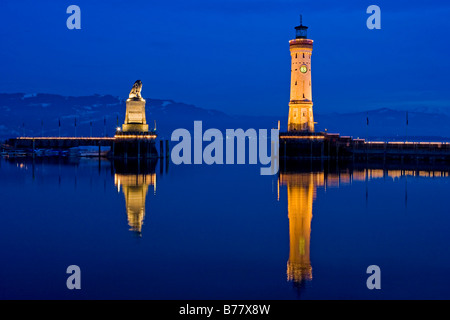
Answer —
300 106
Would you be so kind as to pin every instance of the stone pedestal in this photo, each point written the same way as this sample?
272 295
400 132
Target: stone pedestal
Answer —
135 140
136 147
135 116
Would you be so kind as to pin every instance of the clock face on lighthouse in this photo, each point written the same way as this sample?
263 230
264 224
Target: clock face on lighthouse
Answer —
303 69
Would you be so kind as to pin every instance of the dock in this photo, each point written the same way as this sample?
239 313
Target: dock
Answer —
324 145
119 146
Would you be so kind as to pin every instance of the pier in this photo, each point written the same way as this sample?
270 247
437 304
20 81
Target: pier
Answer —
59 142
323 145
119 146
132 140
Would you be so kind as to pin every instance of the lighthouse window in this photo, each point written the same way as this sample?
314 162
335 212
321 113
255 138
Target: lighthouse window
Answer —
296 56
303 56
295 82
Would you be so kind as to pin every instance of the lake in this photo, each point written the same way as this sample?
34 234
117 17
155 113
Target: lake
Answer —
153 230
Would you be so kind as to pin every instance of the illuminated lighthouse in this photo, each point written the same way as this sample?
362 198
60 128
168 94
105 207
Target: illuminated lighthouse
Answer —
300 106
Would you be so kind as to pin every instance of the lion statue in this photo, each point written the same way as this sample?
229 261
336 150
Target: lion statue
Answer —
136 90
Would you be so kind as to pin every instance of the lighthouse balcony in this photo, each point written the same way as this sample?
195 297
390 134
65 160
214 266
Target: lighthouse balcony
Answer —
303 101
301 43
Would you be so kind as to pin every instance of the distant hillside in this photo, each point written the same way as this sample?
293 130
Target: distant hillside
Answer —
387 123
32 114
37 114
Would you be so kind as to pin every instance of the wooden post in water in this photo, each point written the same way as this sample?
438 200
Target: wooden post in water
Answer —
167 165
139 148
322 149
167 149
365 149
353 151
329 148
337 150
161 148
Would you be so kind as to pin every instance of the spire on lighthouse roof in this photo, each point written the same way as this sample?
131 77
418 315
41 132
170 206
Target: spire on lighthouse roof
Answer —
300 31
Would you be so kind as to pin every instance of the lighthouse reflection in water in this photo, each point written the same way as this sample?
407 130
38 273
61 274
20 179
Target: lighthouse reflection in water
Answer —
222 232
301 191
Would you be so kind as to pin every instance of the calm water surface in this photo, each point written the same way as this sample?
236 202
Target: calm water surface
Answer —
221 232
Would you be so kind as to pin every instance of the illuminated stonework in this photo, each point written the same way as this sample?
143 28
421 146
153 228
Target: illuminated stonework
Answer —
135 188
135 114
300 105
301 192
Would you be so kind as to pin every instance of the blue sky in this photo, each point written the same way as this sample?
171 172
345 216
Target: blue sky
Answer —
230 55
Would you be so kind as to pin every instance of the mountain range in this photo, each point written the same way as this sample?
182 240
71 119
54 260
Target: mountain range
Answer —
44 114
